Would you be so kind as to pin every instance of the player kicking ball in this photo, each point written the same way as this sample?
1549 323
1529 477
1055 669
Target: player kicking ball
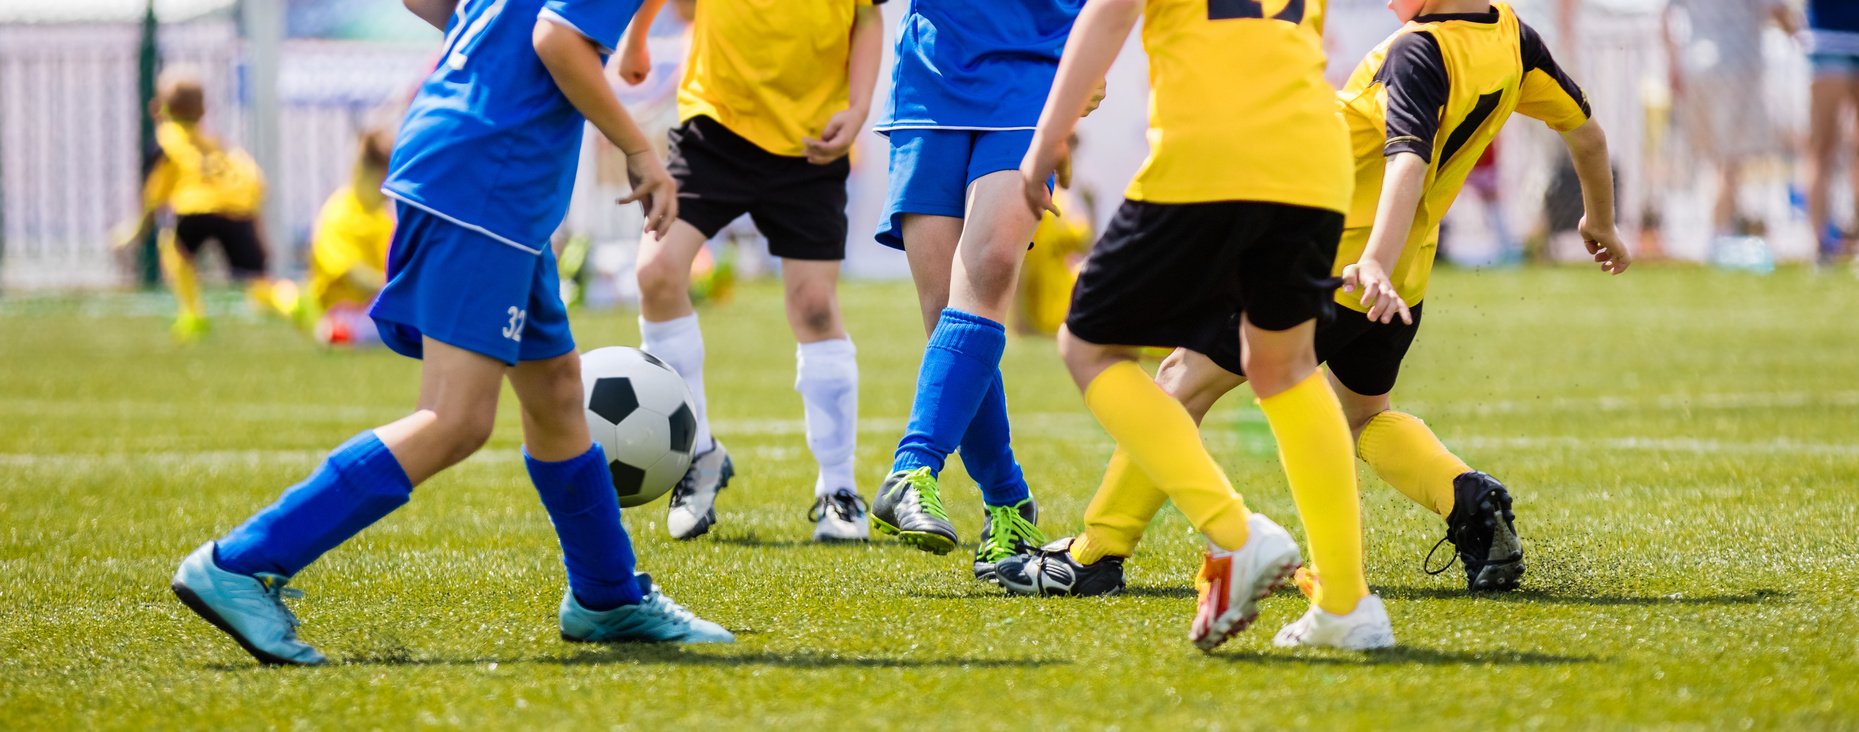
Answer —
771 101
1431 98
1238 207
971 76
482 170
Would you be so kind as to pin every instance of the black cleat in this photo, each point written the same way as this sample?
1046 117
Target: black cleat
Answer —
1484 531
909 506
1050 570
1005 532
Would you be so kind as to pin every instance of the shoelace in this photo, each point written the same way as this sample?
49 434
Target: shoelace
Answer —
1006 527
670 607
276 591
929 497
1426 565
847 508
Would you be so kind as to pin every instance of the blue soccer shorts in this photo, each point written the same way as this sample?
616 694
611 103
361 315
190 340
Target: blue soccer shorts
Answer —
931 170
464 288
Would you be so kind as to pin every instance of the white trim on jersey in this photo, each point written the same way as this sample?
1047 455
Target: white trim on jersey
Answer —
1843 43
454 221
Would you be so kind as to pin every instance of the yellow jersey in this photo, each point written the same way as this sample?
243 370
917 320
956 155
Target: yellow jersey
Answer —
350 233
772 71
196 175
1442 87
1238 106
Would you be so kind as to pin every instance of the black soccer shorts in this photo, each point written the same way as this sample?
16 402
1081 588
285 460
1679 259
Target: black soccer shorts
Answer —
800 207
1172 275
238 238
1363 354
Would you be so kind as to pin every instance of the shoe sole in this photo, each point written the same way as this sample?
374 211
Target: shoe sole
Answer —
200 607
921 540
1235 620
1503 571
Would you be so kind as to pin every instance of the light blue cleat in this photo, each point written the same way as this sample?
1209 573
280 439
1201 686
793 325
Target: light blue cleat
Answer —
658 619
248 608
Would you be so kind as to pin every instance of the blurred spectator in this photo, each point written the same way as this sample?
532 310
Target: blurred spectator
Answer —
1833 52
1714 56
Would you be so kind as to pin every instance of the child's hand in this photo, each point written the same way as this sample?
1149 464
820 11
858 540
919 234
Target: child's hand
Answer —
127 233
1377 292
635 64
1603 241
653 189
835 139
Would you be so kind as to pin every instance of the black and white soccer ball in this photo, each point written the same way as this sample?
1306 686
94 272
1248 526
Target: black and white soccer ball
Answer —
639 410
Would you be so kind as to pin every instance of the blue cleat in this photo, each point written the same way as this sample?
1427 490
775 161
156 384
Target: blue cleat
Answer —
658 619
250 608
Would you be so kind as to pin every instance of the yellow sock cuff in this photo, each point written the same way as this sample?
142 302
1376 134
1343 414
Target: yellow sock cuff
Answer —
1406 454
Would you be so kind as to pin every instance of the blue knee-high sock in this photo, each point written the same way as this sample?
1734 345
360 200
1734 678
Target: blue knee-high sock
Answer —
987 450
356 485
578 494
963 355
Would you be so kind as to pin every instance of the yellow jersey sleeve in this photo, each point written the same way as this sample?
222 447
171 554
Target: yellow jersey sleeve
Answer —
1548 93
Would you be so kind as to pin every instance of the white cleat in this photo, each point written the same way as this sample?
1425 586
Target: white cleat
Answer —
1363 629
840 516
693 499
1232 583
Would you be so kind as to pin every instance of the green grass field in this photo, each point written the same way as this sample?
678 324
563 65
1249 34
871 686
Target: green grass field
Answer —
1683 446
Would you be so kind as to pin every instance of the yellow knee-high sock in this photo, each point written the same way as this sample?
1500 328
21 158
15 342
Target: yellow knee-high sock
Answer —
1119 512
279 297
1165 444
182 278
1313 444
1406 454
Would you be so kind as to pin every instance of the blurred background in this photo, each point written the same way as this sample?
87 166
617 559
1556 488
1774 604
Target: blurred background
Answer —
1705 109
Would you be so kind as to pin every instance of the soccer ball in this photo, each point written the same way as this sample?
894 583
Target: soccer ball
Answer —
639 411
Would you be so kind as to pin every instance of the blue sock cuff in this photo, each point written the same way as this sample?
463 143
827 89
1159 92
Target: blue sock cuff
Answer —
911 460
369 468
556 481
971 335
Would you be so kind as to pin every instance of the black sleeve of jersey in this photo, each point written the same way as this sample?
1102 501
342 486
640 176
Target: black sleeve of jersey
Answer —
1415 77
1536 58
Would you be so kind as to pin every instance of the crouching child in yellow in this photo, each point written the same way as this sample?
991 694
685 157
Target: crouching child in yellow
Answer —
348 256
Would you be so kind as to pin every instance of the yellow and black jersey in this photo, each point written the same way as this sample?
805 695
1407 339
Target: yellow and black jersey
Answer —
195 174
772 71
1238 107
1441 87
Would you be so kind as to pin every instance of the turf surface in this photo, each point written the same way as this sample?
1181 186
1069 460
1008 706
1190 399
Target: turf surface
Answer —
1683 446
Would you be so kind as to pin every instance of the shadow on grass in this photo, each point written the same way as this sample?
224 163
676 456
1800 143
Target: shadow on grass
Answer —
1552 597
684 656
1415 656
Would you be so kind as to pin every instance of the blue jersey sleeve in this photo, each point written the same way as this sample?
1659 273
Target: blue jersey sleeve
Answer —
601 21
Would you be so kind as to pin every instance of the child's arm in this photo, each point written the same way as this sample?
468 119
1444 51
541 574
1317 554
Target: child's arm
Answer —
867 51
1096 37
574 62
635 57
1588 148
434 12
156 189
1394 221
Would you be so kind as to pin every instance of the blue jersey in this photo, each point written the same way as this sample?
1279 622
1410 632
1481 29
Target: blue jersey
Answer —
490 143
976 64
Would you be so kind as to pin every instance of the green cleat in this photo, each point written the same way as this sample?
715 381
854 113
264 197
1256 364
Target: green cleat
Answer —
1006 531
909 506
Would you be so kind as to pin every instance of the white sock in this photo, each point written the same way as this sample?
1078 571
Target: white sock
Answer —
827 379
680 343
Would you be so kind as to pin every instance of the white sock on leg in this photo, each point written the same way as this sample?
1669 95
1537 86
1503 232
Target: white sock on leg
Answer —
827 379
680 343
